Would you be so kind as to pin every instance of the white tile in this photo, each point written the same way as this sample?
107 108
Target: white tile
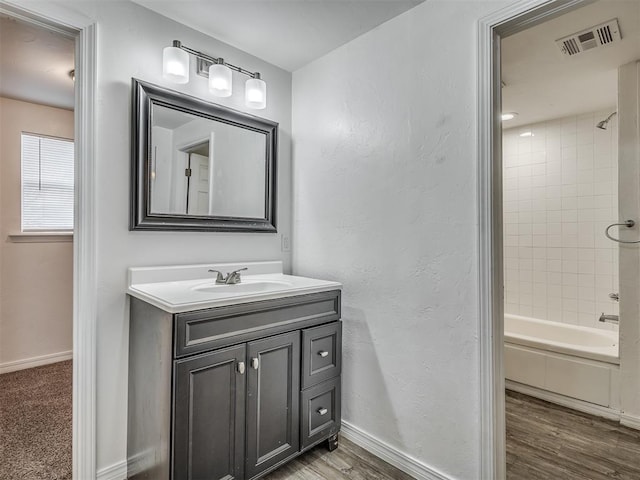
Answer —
525 252
524 181
554 191
586 255
526 310
539 169
554 266
554 228
539 253
554 241
570 292
539 241
510 217
586 267
569 190
569 266
554 217
510 229
570 279
585 280
570 254
554 253
540 264
525 264
569 216
585 189
570 203
539 278
525 240
538 216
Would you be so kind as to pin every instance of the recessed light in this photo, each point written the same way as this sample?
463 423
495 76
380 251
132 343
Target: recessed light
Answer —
509 116
526 134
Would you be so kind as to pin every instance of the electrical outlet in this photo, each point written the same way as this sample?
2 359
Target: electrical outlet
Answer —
286 243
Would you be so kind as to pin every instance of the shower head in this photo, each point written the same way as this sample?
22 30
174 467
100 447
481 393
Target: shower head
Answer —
602 125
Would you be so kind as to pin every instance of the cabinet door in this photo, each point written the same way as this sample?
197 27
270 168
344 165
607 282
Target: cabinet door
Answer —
273 392
209 416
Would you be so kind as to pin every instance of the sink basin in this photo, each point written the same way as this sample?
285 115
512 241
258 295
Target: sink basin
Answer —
247 286
184 288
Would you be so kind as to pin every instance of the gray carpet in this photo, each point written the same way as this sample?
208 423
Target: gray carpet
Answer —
35 423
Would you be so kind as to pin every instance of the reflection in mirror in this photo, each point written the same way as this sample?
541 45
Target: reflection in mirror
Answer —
205 167
200 166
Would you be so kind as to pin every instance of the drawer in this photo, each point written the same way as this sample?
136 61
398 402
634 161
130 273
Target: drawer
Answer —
203 330
321 353
320 412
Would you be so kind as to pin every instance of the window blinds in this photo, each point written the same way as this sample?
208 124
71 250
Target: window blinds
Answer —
47 183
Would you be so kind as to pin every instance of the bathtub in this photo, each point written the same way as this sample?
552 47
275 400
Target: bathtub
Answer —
567 364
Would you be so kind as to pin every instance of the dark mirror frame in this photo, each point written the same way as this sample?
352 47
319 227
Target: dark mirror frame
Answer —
144 96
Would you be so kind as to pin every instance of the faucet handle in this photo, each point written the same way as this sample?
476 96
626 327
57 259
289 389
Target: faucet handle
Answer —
219 277
234 277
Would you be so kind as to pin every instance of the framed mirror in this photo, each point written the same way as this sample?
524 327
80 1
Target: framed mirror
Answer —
200 166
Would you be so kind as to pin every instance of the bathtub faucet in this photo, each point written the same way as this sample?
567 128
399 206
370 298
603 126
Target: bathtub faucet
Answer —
609 318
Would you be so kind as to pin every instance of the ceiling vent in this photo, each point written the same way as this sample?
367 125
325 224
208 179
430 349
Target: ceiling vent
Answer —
594 37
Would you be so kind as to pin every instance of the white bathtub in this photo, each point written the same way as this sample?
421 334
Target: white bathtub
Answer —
557 337
571 365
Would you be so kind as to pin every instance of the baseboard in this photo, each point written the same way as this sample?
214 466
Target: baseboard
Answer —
35 362
630 421
117 471
390 454
574 404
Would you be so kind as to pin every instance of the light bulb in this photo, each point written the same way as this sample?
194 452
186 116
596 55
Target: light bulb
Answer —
255 93
220 83
175 65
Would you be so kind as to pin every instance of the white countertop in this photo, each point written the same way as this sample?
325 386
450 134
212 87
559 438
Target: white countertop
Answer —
183 288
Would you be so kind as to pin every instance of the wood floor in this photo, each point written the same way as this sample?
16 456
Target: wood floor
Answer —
546 441
348 462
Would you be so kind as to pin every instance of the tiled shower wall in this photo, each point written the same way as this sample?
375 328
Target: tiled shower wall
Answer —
560 192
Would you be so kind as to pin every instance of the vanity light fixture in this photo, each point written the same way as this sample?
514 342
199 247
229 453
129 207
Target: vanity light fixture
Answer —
509 116
175 67
527 134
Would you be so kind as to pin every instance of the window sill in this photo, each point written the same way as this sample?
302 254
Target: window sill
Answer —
41 237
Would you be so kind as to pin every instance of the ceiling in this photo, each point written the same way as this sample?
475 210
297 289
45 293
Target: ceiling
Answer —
286 33
541 83
35 64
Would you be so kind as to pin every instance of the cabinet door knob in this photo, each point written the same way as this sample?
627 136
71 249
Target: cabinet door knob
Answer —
322 411
322 353
241 368
255 363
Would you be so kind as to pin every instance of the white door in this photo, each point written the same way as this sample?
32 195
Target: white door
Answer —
199 185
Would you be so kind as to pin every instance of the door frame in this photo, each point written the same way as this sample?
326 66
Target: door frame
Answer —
491 29
68 22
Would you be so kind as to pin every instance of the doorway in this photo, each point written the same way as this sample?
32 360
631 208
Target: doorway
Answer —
59 18
492 200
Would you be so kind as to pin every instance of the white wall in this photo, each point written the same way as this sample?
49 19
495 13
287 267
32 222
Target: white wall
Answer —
385 201
560 193
36 298
130 43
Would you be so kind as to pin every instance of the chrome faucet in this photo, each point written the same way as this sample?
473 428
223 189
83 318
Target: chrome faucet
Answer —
609 318
231 278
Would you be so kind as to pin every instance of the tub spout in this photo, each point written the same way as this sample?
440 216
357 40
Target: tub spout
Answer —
609 318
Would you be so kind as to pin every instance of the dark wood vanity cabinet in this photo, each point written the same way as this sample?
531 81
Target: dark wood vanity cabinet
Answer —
236 399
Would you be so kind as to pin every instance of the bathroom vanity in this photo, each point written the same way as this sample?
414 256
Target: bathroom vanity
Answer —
230 381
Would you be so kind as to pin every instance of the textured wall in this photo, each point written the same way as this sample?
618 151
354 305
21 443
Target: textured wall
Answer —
385 202
36 298
560 192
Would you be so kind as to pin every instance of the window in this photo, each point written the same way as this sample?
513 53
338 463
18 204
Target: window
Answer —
47 183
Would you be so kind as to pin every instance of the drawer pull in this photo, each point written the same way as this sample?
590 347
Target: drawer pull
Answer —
241 368
255 363
322 411
323 353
